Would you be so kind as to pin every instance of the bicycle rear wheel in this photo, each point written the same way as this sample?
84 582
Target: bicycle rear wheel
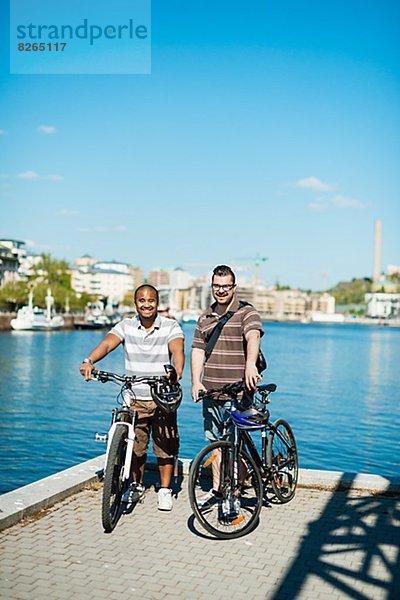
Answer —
233 511
114 485
282 461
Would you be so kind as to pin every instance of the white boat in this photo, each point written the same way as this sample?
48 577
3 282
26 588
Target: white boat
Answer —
36 319
190 316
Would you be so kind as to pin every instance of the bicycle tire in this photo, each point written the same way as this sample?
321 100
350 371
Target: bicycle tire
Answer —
244 504
114 487
282 462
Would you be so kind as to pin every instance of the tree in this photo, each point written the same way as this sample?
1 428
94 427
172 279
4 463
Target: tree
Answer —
14 295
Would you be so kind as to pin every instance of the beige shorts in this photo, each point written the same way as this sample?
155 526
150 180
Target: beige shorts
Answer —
163 428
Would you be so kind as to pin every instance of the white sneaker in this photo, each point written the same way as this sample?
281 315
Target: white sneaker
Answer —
164 499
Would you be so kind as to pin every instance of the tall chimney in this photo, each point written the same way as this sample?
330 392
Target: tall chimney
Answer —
377 249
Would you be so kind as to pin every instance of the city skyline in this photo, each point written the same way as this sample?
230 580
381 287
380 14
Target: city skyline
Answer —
263 131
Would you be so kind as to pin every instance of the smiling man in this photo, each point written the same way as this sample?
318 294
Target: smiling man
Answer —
150 341
232 358
235 353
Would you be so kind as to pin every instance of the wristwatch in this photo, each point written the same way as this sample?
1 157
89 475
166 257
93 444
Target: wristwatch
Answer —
88 361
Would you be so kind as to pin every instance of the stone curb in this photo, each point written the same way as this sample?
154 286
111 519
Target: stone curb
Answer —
42 494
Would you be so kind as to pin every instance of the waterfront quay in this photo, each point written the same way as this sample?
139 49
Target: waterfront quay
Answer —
336 539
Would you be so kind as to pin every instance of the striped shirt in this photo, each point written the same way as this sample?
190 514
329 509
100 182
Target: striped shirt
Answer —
146 352
227 361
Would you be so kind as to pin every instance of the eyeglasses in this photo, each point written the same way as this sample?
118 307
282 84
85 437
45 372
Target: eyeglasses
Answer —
224 288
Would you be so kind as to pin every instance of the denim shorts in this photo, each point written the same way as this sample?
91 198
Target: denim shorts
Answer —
215 413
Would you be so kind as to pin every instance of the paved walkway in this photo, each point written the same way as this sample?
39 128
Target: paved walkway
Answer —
320 545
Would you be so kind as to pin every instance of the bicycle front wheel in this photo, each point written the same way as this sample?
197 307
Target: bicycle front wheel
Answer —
233 510
114 484
282 461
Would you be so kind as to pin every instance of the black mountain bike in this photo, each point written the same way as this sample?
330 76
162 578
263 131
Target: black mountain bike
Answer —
229 478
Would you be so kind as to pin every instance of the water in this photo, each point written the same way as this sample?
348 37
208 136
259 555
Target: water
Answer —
337 386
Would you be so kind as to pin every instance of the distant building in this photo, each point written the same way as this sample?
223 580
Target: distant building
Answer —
158 277
12 252
85 261
382 305
382 284
291 305
322 303
393 270
179 279
110 279
245 293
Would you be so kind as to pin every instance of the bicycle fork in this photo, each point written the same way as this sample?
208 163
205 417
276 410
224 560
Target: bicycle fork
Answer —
130 438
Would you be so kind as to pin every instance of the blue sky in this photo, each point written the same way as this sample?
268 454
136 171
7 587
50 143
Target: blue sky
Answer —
264 128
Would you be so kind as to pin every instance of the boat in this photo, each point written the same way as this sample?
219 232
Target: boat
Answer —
97 318
32 318
190 316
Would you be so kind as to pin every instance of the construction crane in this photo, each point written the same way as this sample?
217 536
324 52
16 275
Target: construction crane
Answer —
256 261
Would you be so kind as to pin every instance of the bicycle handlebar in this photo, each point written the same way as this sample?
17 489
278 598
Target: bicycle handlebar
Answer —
233 389
105 376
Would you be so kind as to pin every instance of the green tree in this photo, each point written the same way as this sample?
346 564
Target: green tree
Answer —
351 292
14 295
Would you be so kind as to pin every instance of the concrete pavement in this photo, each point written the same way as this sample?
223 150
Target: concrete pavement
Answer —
323 544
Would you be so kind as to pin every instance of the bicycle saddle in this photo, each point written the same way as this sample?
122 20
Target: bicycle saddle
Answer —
266 387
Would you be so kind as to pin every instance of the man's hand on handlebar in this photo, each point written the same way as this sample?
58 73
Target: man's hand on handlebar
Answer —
251 377
86 371
196 388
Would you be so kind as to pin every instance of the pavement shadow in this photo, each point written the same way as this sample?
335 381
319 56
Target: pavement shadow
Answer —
354 546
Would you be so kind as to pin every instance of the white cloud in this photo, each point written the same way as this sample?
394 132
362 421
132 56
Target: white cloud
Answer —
3 132
64 212
33 175
102 229
339 201
315 184
53 177
28 175
47 129
346 202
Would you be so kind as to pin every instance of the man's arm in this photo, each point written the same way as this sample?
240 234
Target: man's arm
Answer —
110 342
178 356
251 375
197 361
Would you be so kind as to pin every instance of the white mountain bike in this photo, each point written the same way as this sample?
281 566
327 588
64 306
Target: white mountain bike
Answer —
167 393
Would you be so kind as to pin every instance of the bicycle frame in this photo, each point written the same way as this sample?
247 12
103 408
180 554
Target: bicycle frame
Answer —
241 438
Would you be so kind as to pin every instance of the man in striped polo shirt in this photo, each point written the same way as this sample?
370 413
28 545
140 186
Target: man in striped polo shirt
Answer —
234 355
149 341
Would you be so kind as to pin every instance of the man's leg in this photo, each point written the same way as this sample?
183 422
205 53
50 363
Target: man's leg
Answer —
165 447
215 415
138 464
141 443
166 467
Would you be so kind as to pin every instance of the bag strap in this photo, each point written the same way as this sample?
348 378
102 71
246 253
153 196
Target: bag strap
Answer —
212 340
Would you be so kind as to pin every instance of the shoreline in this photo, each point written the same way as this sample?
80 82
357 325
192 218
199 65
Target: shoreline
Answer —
69 320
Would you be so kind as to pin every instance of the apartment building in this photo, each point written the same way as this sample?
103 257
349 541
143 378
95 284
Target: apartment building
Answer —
111 279
382 305
12 252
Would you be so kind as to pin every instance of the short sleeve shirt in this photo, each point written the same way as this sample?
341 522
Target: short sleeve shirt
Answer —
227 361
146 352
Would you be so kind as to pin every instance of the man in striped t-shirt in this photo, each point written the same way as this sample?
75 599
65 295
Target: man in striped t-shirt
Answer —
235 353
149 341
